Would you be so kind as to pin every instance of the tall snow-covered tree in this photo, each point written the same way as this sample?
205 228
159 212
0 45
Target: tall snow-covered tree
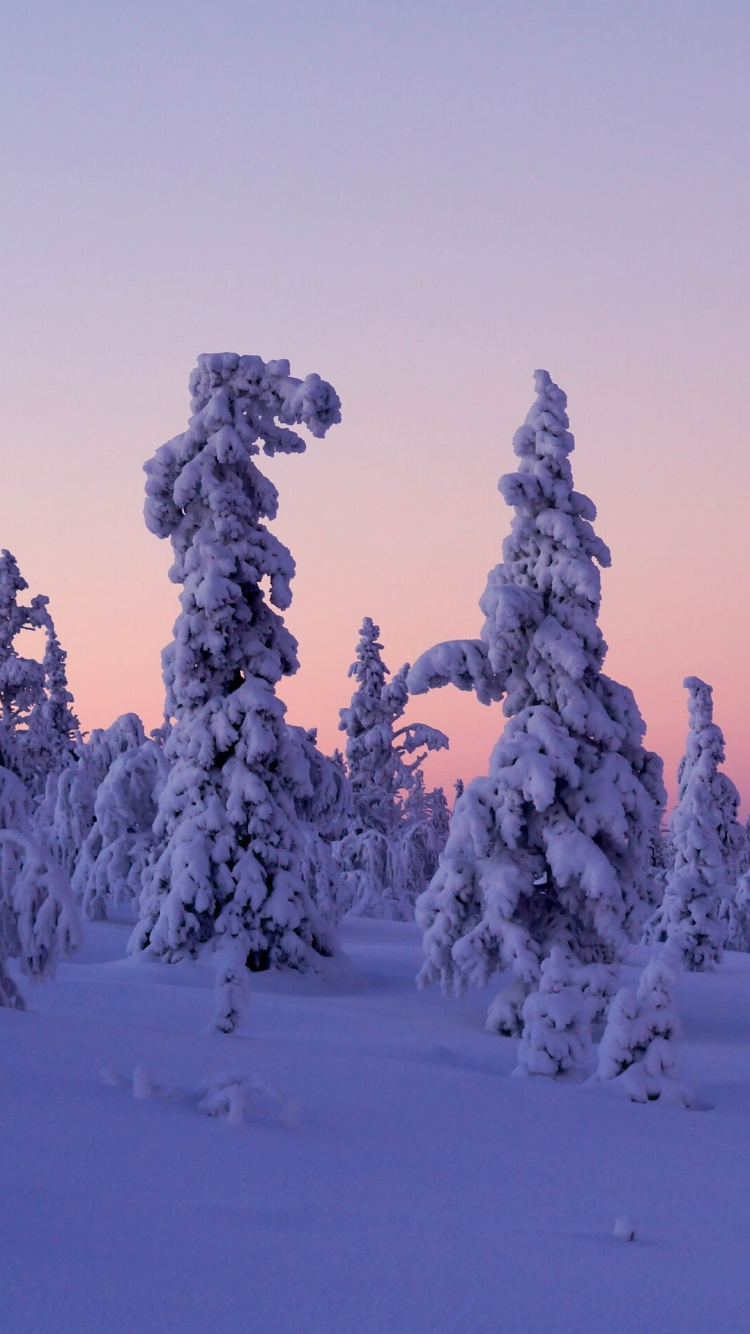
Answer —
397 829
38 920
228 866
37 725
704 833
552 847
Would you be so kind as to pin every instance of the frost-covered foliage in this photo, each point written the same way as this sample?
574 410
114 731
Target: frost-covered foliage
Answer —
38 921
229 860
556 1033
397 828
66 816
118 846
692 915
638 1049
37 725
322 802
552 848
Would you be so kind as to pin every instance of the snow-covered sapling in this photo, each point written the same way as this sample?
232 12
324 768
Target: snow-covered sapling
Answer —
228 862
638 1048
552 847
692 916
556 1033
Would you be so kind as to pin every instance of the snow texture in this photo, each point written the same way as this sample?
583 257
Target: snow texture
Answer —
692 916
228 861
397 828
552 847
38 920
638 1049
422 1188
37 725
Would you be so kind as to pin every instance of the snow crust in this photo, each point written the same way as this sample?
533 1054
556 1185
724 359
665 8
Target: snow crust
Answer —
421 1187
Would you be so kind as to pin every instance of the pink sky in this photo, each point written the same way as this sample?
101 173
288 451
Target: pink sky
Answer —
423 204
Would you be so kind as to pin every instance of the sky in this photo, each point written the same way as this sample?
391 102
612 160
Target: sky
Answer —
423 202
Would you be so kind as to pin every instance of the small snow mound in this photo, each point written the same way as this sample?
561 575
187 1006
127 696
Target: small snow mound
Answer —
231 1095
624 1229
142 1086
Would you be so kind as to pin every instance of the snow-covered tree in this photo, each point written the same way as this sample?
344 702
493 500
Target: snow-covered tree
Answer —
556 1033
37 725
397 828
38 920
322 802
552 847
638 1047
228 865
118 846
66 815
702 830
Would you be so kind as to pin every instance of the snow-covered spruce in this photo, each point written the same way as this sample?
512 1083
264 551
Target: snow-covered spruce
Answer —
108 870
638 1048
37 725
322 803
66 816
38 920
552 847
397 829
228 865
692 915
556 1033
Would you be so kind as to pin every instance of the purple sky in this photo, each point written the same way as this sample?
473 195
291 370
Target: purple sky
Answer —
423 202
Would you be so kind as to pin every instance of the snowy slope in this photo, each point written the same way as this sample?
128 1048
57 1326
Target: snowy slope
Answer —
421 1188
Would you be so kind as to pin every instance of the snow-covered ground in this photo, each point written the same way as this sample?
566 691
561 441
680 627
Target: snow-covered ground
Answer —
417 1188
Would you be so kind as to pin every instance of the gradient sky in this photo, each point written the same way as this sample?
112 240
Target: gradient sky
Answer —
423 202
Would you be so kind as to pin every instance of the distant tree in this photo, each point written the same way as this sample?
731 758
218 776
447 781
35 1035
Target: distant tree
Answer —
397 829
66 816
37 725
552 848
228 863
38 921
109 869
704 833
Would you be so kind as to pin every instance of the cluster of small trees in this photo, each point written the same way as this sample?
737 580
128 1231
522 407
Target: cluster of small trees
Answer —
228 828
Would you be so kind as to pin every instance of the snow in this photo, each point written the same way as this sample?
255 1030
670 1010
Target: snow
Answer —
421 1188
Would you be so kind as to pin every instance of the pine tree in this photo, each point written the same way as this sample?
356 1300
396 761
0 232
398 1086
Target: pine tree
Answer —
228 862
38 921
110 865
692 915
397 828
556 1033
66 816
638 1046
552 847
37 726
